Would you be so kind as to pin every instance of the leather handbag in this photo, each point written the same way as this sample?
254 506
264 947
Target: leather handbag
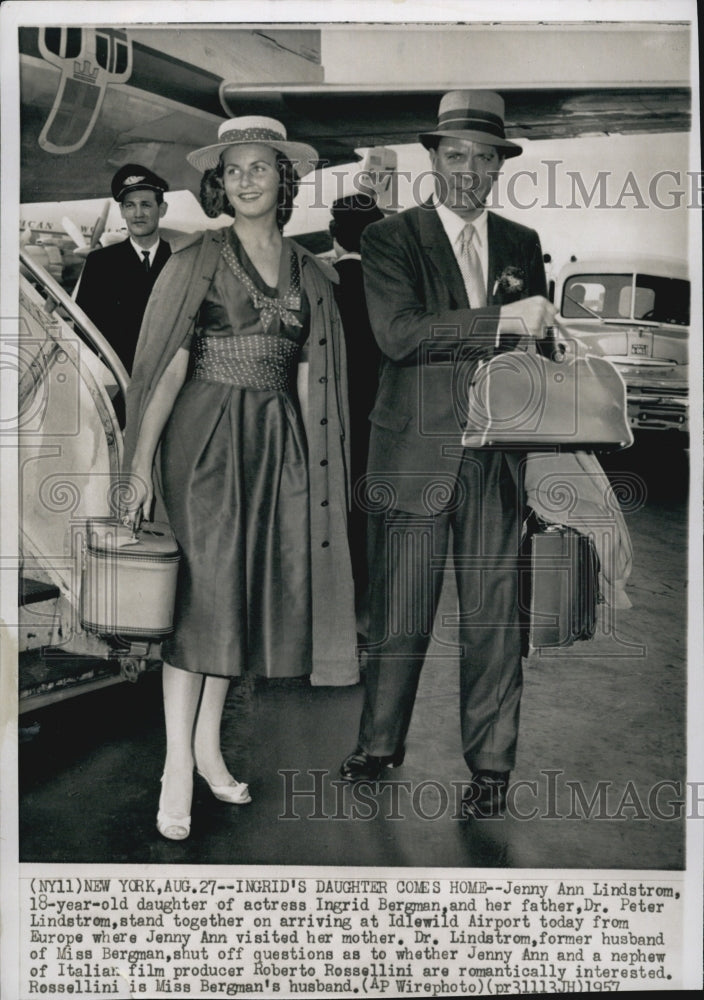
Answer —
128 582
554 394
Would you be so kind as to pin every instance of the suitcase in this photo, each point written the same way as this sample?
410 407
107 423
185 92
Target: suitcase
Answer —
128 581
562 586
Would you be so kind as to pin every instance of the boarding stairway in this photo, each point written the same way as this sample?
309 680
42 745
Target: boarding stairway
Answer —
71 386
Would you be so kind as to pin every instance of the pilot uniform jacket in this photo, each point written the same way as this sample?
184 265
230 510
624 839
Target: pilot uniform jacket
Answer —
431 342
171 314
114 290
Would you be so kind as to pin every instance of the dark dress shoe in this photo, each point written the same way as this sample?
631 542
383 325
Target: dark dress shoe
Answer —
363 766
485 797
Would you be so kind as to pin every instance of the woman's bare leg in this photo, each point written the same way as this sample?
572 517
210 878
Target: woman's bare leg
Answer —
182 691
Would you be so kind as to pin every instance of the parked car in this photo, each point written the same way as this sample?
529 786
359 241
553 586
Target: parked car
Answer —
634 311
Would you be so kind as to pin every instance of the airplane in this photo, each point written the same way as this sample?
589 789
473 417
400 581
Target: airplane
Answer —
94 97
77 228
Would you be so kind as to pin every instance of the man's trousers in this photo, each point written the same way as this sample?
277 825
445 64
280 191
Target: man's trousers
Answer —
407 557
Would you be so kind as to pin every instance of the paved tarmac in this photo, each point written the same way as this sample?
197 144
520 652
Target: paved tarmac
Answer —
602 724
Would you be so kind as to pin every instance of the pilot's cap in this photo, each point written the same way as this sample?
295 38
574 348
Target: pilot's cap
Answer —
132 176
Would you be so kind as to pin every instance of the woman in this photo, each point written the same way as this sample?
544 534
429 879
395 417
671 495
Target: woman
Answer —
258 505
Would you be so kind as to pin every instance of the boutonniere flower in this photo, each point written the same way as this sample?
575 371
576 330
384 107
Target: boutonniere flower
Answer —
511 281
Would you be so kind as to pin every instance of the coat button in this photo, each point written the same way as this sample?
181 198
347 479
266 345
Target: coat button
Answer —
323 341
323 378
323 503
320 300
324 461
324 545
324 421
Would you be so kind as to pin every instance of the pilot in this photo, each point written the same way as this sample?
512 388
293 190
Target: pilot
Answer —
117 280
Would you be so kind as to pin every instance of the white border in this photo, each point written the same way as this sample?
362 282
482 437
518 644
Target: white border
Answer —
314 12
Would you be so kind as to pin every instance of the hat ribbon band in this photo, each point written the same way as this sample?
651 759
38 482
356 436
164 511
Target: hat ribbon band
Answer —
493 125
252 135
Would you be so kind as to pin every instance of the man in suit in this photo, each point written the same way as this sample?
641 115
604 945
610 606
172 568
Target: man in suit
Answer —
117 280
350 217
448 285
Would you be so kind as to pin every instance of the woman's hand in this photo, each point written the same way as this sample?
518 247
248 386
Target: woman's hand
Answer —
139 495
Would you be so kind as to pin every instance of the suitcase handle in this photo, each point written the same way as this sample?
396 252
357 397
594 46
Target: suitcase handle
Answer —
135 523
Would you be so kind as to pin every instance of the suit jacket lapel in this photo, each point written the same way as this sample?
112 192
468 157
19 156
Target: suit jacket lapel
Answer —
502 252
163 252
438 250
131 259
135 261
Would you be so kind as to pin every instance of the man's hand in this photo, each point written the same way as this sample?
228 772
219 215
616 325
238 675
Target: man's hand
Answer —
527 317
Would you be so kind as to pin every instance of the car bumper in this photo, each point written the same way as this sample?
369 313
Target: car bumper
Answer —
657 411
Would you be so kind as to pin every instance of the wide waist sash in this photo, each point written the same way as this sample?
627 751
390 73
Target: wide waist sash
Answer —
255 361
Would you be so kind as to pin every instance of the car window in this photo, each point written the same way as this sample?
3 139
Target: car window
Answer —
624 302
655 298
663 300
644 302
609 295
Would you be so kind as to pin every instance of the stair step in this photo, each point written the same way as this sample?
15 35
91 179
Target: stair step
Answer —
34 591
46 680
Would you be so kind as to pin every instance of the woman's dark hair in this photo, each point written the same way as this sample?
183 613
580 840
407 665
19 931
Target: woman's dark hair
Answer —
214 201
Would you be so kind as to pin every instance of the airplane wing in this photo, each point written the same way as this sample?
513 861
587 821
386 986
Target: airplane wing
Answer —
338 120
95 98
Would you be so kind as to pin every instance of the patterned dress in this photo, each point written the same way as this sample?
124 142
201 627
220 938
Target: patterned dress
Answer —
235 478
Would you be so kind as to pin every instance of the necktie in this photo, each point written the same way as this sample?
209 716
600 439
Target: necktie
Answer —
145 254
471 268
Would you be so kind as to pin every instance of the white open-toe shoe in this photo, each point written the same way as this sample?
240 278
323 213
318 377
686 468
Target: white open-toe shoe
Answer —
234 792
172 827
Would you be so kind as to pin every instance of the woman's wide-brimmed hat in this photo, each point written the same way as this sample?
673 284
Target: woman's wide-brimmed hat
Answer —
477 115
255 128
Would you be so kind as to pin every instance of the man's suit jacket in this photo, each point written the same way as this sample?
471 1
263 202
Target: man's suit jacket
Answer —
431 342
363 356
114 290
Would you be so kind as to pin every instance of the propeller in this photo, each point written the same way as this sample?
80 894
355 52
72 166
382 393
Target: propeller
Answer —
100 224
83 248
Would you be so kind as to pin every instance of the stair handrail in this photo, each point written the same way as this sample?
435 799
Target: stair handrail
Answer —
92 334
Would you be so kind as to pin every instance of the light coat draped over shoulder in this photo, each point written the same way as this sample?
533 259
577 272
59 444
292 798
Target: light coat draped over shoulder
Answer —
170 315
571 488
